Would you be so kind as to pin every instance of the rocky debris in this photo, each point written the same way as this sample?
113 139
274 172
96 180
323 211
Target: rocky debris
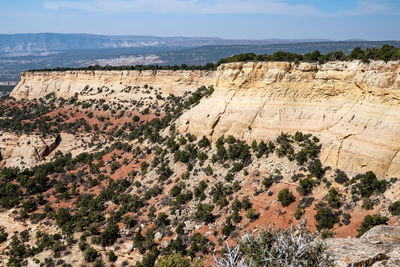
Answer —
124 233
158 236
380 246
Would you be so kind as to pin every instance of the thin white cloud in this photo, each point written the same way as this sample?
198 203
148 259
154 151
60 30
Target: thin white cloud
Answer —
186 6
367 7
276 7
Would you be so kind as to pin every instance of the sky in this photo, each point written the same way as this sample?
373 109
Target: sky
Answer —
232 19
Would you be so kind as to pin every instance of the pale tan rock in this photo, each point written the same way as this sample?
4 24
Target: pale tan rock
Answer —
353 107
25 151
66 84
380 246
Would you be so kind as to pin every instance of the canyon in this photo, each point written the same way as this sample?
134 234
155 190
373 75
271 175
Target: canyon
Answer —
188 161
352 107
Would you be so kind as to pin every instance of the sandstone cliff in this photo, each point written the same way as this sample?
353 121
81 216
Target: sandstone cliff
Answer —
353 107
66 84
25 151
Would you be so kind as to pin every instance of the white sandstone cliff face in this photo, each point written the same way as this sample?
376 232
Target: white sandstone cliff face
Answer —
353 107
66 84
26 151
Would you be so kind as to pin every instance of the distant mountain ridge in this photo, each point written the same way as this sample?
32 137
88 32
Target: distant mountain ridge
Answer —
41 42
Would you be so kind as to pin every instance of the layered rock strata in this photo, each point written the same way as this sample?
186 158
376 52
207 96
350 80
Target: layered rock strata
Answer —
353 107
68 83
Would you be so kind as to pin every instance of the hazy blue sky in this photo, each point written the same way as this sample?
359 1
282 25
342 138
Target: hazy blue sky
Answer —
253 19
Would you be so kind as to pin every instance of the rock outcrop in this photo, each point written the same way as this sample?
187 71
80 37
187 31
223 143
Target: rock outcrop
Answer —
25 151
67 84
353 107
380 246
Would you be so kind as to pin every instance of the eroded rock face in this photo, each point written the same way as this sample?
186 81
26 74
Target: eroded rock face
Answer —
25 151
35 85
351 106
380 246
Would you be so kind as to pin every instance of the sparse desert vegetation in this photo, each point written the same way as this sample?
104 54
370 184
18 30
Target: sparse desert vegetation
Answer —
141 189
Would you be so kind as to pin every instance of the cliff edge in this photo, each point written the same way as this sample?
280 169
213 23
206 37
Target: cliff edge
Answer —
353 107
66 84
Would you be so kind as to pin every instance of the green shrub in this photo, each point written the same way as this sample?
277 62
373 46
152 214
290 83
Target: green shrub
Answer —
228 228
63 216
237 167
333 198
180 229
129 221
112 257
3 235
229 177
305 186
326 218
301 157
369 222
252 215
202 156
29 205
298 214
143 166
208 170
150 258
394 208
297 177
161 220
178 260
83 245
341 177
246 204
268 181
327 234
315 168
114 166
98 263
370 184
90 254
204 213
204 142
164 172
368 204
110 234
285 197
176 190
236 218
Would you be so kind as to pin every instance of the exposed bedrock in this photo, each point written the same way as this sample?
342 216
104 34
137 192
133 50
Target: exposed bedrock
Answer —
353 107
